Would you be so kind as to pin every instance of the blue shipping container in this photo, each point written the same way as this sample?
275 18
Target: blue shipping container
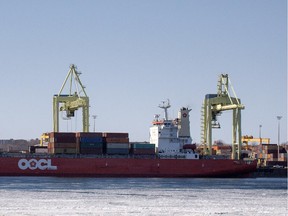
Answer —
91 140
142 146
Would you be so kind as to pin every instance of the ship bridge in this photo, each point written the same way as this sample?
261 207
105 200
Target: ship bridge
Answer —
169 136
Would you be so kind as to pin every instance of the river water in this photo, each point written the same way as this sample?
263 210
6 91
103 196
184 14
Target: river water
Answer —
142 196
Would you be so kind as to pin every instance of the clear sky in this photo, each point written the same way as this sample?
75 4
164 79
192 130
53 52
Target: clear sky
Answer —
135 54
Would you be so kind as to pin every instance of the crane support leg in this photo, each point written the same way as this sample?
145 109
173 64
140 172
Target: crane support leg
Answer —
209 125
85 117
55 114
236 134
239 133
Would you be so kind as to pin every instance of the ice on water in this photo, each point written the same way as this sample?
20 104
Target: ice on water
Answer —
116 196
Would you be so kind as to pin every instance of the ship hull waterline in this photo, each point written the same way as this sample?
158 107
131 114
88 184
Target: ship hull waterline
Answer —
124 167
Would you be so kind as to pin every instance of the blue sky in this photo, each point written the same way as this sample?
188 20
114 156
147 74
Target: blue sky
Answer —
135 54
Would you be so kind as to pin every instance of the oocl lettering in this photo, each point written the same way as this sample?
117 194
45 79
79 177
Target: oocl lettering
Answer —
33 164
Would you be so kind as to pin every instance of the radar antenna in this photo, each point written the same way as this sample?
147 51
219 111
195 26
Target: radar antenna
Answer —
165 105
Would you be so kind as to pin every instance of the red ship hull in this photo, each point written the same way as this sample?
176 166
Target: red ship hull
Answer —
123 167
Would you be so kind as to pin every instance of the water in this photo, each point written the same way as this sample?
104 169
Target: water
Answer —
142 196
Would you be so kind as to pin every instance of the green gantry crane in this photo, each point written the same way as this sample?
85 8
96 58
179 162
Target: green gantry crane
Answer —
72 101
213 106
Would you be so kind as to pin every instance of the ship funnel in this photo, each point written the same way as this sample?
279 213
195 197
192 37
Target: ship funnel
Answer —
184 122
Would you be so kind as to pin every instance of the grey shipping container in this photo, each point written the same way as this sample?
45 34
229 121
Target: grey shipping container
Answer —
117 145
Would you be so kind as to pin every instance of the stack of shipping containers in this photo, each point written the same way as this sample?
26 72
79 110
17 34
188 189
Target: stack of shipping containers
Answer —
90 143
62 143
270 152
222 149
116 143
142 149
96 143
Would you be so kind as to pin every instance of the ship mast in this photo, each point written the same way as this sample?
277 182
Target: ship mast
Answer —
165 105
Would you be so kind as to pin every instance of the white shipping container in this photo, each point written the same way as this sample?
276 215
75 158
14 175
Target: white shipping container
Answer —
41 150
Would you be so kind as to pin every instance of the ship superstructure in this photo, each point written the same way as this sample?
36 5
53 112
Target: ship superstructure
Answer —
172 137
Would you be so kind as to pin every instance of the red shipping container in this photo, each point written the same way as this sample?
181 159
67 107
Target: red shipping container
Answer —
63 139
90 135
189 146
116 135
61 134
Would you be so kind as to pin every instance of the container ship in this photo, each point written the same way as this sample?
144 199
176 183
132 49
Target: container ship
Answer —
170 153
